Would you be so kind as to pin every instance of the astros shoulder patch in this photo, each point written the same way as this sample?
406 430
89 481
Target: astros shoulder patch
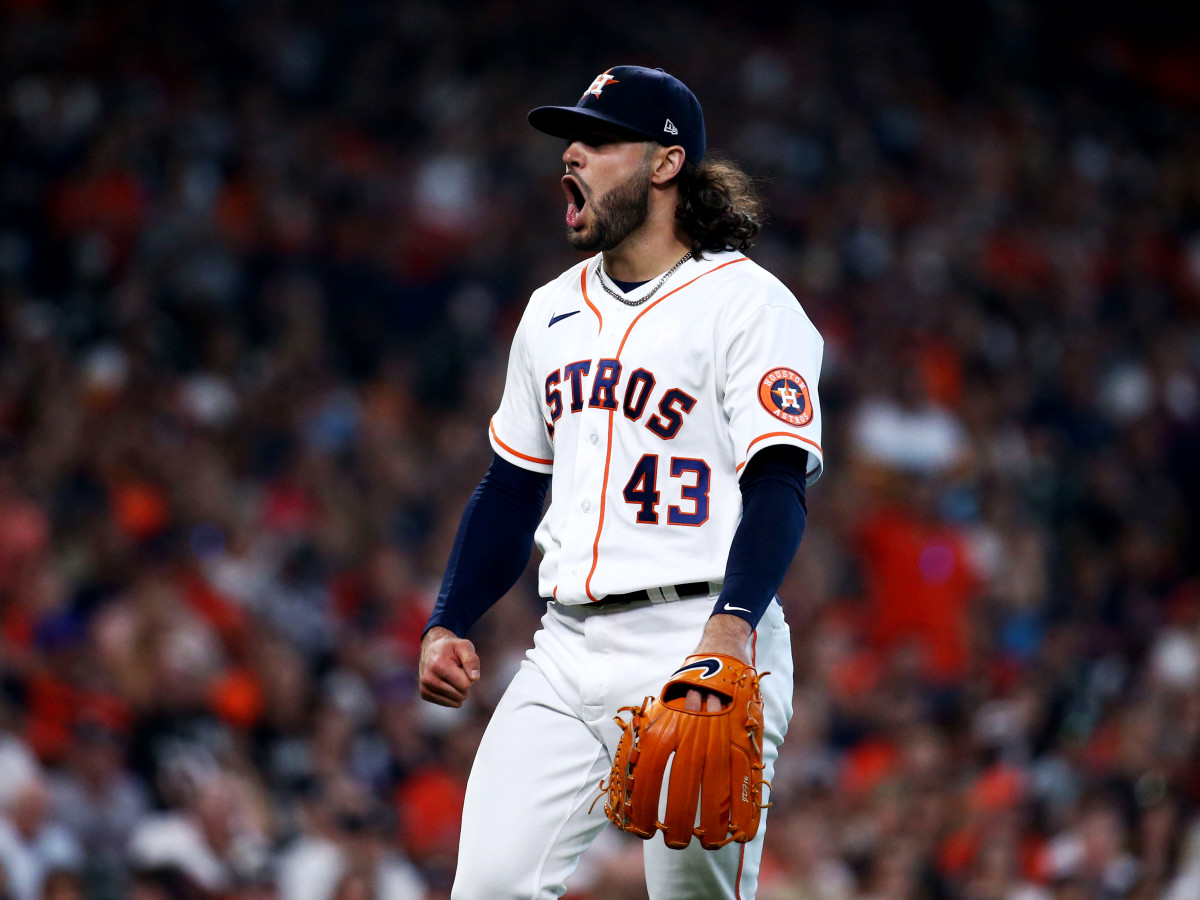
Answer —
783 393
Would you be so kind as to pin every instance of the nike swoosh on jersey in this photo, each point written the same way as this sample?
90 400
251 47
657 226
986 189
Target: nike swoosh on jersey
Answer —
554 318
711 666
736 608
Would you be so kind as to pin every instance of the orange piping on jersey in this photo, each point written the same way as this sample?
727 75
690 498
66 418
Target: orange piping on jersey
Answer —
587 585
587 300
532 459
788 434
668 294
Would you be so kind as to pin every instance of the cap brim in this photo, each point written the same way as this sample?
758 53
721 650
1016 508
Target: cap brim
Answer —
568 121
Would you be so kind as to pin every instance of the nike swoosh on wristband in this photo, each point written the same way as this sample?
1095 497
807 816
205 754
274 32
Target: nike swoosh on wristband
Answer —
554 318
736 608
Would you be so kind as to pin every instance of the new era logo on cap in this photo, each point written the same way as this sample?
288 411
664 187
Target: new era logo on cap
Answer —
649 104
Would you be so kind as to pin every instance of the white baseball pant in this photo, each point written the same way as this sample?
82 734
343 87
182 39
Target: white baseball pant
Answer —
551 741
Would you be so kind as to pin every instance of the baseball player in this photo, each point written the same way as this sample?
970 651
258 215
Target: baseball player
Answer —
666 388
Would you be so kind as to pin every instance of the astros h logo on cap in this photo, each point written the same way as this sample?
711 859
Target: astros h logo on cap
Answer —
598 85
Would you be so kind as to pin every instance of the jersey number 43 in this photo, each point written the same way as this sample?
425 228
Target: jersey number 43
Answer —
642 490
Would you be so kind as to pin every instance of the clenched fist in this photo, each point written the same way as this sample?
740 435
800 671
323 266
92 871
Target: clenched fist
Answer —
448 667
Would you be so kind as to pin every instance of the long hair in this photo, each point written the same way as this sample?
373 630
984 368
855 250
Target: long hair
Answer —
719 206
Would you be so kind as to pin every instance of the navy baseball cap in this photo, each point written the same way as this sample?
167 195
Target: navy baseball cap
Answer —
647 103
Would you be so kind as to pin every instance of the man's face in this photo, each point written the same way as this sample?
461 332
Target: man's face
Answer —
607 186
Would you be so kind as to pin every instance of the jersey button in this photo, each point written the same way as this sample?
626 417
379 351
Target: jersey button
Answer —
595 439
574 570
585 506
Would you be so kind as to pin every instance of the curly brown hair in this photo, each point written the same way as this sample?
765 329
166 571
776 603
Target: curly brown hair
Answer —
719 206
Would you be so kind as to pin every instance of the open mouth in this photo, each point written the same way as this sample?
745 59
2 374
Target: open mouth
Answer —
576 200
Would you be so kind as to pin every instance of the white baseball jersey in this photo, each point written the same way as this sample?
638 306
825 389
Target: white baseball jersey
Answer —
646 416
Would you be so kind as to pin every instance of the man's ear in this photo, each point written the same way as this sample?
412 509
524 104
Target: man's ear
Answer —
667 163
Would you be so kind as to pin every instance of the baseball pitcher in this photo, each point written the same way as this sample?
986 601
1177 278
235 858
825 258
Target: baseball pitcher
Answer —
666 387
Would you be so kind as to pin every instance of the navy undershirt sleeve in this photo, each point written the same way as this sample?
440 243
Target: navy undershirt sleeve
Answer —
494 540
773 515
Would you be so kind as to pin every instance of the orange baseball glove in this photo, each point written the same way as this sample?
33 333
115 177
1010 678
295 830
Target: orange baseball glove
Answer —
717 764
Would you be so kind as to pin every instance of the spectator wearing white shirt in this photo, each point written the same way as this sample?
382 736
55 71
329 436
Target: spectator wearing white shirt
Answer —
31 845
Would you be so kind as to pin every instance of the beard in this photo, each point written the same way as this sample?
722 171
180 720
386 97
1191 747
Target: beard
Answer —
616 215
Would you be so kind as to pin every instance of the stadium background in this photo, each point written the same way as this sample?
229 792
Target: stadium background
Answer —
259 266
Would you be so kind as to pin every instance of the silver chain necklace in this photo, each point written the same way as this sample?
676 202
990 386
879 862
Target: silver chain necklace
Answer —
653 291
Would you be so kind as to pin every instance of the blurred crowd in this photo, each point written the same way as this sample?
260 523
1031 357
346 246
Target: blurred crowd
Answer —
259 267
